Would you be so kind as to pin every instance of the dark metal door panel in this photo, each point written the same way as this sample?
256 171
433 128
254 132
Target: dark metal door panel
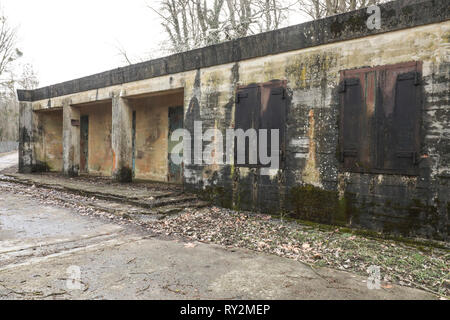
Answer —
352 106
247 116
273 112
399 119
84 144
175 122
406 138
380 118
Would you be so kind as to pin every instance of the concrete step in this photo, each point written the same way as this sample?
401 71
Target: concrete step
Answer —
154 203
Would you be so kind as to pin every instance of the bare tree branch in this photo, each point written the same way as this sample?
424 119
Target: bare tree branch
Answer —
191 24
8 50
317 9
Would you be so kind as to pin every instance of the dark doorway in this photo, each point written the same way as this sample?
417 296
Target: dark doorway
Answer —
175 122
84 143
133 142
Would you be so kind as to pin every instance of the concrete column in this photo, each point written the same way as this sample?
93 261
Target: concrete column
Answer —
26 137
122 118
71 139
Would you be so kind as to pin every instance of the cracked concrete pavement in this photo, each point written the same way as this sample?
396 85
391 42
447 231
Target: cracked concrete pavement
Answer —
39 243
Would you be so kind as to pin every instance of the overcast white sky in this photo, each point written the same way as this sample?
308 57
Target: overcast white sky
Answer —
66 39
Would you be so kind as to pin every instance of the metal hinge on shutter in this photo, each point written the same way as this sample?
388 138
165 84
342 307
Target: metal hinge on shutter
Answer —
408 154
239 96
346 83
279 91
410 76
348 153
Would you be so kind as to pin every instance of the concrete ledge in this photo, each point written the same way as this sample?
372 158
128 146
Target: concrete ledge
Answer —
395 15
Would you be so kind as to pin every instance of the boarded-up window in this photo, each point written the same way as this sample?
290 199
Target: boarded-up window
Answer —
380 119
261 106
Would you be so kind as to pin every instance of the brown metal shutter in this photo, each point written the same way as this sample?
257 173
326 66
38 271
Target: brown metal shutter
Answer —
352 105
247 114
380 119
399 119
273 112
406 138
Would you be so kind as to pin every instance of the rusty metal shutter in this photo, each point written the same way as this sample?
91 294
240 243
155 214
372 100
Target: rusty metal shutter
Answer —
247 114
399 119
273 112
350 122
406 123
380 119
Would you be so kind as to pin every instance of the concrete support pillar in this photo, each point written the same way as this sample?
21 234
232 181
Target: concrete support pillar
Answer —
71 139
26 137
122 118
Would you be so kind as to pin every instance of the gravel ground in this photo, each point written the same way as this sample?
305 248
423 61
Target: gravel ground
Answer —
424 267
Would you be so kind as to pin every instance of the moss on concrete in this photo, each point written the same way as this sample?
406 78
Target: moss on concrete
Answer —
123 175
41 166
217 195
315 204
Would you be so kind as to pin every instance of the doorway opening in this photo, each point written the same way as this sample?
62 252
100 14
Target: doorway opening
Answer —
154 117
96 157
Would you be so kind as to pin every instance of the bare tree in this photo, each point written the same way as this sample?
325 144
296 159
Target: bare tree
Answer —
179 20
240 18
317 9
8 50
128 58
9 106
272 14
12 76
192 24
28 80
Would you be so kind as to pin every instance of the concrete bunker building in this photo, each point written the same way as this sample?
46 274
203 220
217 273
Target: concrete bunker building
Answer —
364 118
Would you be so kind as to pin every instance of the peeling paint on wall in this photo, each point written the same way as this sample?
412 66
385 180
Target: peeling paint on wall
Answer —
311 173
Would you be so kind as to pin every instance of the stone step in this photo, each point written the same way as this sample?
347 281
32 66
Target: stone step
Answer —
158 205
152 199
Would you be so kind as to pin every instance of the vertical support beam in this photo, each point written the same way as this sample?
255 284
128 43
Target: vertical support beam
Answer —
26 137
71 139
122 145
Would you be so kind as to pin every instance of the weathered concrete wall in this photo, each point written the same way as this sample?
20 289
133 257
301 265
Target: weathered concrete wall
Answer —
311 184
48 147
152 135
71 138
100 159
394 203
26 137
122 137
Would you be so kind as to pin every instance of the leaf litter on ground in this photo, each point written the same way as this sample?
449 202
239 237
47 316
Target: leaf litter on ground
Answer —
426 268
